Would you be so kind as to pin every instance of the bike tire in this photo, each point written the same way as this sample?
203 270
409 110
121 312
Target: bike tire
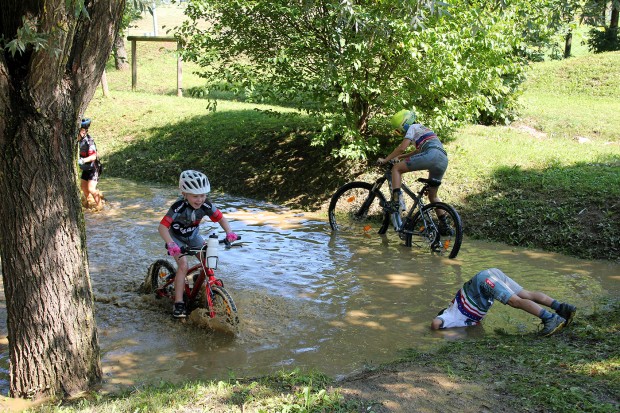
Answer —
444 241
223 305
156 276
355 209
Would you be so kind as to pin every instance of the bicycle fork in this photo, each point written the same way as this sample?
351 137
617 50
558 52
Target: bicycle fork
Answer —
211 280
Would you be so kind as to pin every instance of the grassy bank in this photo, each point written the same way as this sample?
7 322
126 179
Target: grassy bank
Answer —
575 371
550 180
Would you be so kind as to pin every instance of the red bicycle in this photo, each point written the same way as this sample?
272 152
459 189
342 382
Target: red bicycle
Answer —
203 290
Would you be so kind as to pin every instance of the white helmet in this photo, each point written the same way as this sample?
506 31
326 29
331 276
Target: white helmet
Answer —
194 182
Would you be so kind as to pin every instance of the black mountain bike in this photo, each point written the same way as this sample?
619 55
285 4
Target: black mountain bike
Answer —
362 208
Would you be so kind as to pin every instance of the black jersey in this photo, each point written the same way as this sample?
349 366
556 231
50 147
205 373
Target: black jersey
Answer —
183 221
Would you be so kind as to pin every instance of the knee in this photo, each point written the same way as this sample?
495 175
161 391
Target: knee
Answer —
182 266
515 301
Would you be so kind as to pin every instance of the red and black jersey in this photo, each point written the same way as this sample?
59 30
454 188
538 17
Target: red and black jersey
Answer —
183 221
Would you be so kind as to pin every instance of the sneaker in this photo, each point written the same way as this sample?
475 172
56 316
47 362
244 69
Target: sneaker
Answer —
392 206
567 311
444 228
178 311
397 221
402 204
552 325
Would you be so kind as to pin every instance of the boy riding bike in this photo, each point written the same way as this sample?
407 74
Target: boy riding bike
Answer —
180 227
429 154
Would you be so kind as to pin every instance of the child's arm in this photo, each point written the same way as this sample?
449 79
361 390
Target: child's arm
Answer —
163 231
171 246
225 225
406 155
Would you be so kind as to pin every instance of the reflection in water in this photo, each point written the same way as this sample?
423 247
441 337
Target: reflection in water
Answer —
304 295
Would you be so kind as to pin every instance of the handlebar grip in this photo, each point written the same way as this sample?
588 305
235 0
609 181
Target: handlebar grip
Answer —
224 241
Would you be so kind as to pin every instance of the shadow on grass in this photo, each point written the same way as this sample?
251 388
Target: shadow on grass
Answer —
570 209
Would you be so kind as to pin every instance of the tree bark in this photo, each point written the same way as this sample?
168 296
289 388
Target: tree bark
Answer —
120 53
53 344
568 44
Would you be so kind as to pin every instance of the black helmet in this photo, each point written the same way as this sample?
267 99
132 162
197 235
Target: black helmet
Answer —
85 123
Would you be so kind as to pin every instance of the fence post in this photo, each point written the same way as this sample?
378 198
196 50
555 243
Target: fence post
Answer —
134 65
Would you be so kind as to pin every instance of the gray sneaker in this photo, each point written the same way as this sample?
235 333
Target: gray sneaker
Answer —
567 312
552 325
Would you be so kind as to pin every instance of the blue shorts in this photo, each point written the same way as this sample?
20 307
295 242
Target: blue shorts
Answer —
194 242
495 284
433 159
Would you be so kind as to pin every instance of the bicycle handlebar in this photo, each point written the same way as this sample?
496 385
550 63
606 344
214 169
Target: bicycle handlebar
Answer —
185 250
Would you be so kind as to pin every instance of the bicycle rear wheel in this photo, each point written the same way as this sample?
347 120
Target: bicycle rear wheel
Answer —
355 209
158 273
426 231
223 306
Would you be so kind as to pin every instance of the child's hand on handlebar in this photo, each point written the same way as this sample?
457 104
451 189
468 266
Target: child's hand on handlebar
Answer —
381 161
173 249
231 237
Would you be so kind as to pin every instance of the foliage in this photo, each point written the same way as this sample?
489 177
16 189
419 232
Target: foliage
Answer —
604 36
349 64
604 39
27 36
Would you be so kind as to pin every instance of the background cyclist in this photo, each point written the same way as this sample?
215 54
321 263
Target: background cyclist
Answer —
88 163
180 227
429 154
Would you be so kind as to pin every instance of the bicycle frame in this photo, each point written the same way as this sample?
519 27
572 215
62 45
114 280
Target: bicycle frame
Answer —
205 277
356 207
418 199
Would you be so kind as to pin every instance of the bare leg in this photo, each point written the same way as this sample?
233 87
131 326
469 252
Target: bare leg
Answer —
397 171
537 297
92 188
525 305
433 197
85 192
179 279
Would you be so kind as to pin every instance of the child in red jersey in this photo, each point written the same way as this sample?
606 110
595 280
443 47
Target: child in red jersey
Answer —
180 227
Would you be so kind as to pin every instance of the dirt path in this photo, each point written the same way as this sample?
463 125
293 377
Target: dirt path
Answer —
409 387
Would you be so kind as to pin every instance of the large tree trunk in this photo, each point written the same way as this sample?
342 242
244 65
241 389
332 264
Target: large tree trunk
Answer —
53 345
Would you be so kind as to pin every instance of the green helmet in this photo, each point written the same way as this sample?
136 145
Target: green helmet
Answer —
403 119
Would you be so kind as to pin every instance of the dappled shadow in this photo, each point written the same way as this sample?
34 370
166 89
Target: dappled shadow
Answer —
570 209
414 387
245 152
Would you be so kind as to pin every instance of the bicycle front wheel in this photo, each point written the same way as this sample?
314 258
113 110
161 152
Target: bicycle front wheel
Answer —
356 209
441 236
158 274
223 306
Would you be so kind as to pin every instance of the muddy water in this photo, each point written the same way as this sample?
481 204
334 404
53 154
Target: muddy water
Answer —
306 298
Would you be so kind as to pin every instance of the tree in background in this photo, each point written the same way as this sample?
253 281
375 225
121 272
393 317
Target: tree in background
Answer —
52 57
603 37
350 63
